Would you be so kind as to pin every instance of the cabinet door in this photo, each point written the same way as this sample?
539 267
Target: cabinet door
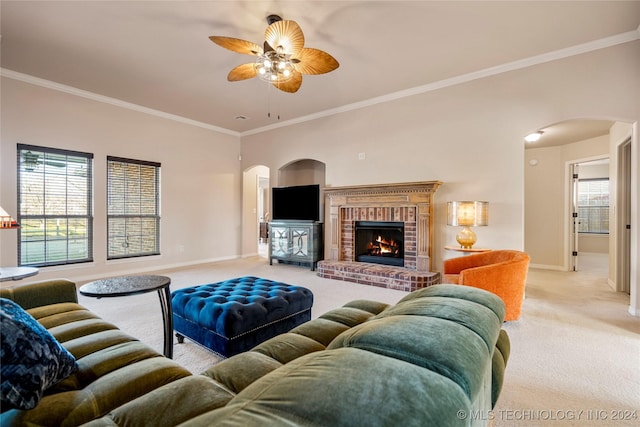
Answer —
299 242
280 242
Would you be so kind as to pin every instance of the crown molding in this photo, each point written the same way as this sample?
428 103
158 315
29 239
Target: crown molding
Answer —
464 78
108 100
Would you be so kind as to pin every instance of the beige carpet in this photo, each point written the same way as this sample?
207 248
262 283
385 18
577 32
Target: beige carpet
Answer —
575 356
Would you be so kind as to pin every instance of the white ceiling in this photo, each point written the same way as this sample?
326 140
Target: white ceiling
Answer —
571 131
157 55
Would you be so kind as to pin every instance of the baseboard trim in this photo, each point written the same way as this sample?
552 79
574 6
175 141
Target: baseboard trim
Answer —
155 268
547 267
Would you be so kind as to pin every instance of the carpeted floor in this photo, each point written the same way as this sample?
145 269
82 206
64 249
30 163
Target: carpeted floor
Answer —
575 355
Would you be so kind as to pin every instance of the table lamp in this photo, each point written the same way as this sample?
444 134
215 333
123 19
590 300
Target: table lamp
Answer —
467 214
6 221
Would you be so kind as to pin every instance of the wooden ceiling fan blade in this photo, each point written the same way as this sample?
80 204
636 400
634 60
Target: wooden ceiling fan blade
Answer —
315 61
242 72
287 34
237 45
292 85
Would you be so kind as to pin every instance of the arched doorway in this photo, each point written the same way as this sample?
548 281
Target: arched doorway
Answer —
548 207
256 198
255 210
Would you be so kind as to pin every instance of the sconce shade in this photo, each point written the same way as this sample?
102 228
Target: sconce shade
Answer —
468 214
6 221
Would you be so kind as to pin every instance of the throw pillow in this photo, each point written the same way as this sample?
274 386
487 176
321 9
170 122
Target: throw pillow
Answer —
32 359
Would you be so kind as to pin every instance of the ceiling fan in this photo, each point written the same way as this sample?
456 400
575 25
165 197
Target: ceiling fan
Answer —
283 59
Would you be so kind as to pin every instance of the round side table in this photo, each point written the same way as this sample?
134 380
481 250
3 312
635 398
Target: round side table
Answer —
134 285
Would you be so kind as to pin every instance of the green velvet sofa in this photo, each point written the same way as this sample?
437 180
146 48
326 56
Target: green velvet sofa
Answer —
437 357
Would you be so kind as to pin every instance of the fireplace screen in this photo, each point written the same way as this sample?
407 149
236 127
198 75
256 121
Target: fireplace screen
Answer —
379 242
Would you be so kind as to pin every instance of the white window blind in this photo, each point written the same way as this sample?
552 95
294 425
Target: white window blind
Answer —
593 206
55 206
133 216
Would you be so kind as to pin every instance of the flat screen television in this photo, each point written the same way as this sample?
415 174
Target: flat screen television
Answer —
299 202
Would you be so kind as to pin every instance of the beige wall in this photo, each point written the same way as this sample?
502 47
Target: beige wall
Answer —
594 243
469 136
301 172
200 175
547 205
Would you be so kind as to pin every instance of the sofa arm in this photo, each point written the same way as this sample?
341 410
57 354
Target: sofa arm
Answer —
41 293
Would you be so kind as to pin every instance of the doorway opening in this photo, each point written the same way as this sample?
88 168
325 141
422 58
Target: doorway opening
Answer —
589 222
263 204
255 209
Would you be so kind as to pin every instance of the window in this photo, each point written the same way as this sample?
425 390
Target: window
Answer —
593 206
55 206
133 212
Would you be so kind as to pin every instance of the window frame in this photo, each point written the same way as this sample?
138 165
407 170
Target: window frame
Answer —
128 218
50 203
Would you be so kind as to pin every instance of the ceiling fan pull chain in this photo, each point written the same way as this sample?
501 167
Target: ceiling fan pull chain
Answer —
269 101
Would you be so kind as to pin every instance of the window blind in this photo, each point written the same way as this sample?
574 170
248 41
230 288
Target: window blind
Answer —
593 206
133 208
54 206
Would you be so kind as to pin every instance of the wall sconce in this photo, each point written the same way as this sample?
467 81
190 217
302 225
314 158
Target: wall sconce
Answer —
6 221
467 214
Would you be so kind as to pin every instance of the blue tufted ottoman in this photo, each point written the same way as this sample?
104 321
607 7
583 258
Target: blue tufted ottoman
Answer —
235 315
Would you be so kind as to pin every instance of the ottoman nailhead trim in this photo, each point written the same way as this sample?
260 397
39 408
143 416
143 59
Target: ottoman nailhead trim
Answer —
249 331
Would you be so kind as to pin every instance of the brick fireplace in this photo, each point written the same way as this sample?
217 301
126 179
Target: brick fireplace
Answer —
408 203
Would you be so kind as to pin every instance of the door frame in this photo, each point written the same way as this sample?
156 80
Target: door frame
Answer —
571 238
623 217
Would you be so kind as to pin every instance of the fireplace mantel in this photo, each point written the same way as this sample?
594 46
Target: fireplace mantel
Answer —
410 202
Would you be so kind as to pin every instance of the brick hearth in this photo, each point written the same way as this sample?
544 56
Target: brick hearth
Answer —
410 203
383 276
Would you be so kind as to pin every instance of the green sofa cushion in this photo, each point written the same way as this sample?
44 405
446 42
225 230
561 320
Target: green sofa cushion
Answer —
483 297
476 317
39 294
323 388
442 346
348 316
288 346
499 365
320 330
373 307
237 372
113 369
168 405
114 389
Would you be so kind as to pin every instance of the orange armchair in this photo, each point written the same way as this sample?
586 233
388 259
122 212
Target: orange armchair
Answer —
503 272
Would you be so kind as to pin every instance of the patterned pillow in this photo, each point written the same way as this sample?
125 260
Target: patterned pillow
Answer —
32 359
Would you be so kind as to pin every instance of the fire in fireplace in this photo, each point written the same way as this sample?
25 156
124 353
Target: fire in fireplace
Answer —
379 242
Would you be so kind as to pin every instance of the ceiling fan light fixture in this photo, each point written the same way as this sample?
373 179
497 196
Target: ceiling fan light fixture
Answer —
282 60
274 67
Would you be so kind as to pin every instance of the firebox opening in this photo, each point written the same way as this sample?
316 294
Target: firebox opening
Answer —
379 242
